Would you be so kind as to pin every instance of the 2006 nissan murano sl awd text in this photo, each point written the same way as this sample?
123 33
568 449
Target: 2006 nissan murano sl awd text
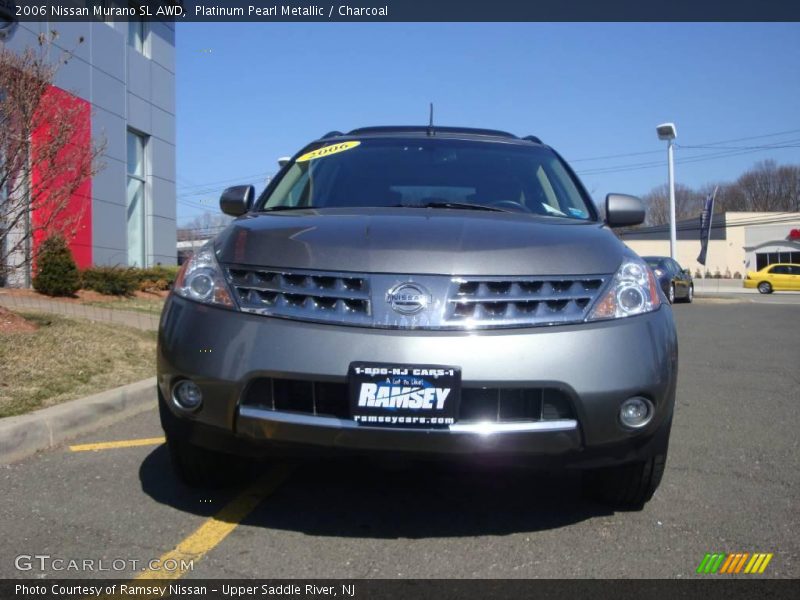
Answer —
417 291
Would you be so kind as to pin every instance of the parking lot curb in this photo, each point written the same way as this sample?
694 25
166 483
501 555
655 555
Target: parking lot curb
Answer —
24 435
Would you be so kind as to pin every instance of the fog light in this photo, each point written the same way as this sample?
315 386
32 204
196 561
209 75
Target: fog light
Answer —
187 395
636 412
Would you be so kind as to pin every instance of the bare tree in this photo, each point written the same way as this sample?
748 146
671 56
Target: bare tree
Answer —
203 226
760 187
765 187
789 186
46 153
729 197
688 204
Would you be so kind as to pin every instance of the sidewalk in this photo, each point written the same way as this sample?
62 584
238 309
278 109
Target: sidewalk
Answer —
138 320
43 429
704 287
726 286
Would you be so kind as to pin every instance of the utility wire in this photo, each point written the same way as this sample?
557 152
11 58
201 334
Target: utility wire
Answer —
743 139
577 160
787 145
690 159
685 226
213 182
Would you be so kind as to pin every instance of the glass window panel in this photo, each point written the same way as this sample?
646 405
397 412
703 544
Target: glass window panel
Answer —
136 32
135 154
136 199
135 222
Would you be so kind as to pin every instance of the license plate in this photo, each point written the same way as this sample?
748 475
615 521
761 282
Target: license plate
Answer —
404 396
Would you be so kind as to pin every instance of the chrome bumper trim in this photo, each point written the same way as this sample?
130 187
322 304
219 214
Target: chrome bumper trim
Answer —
484 428
294 418
489 427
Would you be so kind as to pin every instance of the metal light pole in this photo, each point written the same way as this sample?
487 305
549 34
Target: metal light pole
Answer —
667 131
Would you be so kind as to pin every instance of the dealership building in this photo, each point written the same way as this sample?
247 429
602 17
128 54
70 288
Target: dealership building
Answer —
124 74
739 241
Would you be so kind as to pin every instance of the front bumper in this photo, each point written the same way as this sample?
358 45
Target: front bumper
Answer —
598 364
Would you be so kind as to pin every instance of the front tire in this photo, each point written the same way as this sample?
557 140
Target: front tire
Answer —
196 466
200 467
629 486
765 287
671 294
625 487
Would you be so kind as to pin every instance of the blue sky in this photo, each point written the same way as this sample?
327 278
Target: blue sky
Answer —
248 93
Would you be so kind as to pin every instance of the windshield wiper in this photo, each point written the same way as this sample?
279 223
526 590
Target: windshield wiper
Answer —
442 204
456 205
277 208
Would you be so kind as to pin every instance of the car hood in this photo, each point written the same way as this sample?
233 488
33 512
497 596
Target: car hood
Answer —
420 241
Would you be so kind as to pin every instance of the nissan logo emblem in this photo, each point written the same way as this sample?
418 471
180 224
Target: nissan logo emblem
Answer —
409 298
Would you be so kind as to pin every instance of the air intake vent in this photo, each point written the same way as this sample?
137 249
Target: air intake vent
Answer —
493 405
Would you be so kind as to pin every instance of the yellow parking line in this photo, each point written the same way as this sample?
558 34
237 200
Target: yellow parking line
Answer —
218 527
119 444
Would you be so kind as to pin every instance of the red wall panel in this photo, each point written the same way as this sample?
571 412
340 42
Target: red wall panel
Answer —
78 212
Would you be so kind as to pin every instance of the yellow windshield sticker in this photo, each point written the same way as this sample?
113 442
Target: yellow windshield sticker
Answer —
327 151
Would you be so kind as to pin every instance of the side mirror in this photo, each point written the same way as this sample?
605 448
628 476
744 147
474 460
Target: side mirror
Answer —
623 210
283 161
237 200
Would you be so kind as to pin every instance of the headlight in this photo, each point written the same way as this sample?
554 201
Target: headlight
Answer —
633 291
200 279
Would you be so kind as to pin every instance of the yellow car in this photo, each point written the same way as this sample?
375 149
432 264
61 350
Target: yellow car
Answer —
774 278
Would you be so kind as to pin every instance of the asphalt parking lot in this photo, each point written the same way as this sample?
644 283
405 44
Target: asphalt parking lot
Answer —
731 485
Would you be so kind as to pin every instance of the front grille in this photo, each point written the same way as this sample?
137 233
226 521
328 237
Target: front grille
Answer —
520 301
494 405
323 296
456 303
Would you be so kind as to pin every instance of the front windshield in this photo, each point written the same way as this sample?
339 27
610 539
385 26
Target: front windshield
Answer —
429 172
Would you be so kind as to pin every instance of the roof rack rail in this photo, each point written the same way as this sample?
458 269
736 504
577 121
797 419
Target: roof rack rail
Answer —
424 129
532 138
331 134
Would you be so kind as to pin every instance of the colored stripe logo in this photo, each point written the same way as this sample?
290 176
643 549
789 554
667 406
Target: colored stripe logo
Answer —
734 563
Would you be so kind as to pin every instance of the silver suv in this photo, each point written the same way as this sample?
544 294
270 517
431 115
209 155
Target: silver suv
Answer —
419 291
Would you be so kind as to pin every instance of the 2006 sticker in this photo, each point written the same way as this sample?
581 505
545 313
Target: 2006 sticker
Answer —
327 151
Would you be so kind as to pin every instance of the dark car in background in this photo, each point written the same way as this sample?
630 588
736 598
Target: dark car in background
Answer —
404 290
676 281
